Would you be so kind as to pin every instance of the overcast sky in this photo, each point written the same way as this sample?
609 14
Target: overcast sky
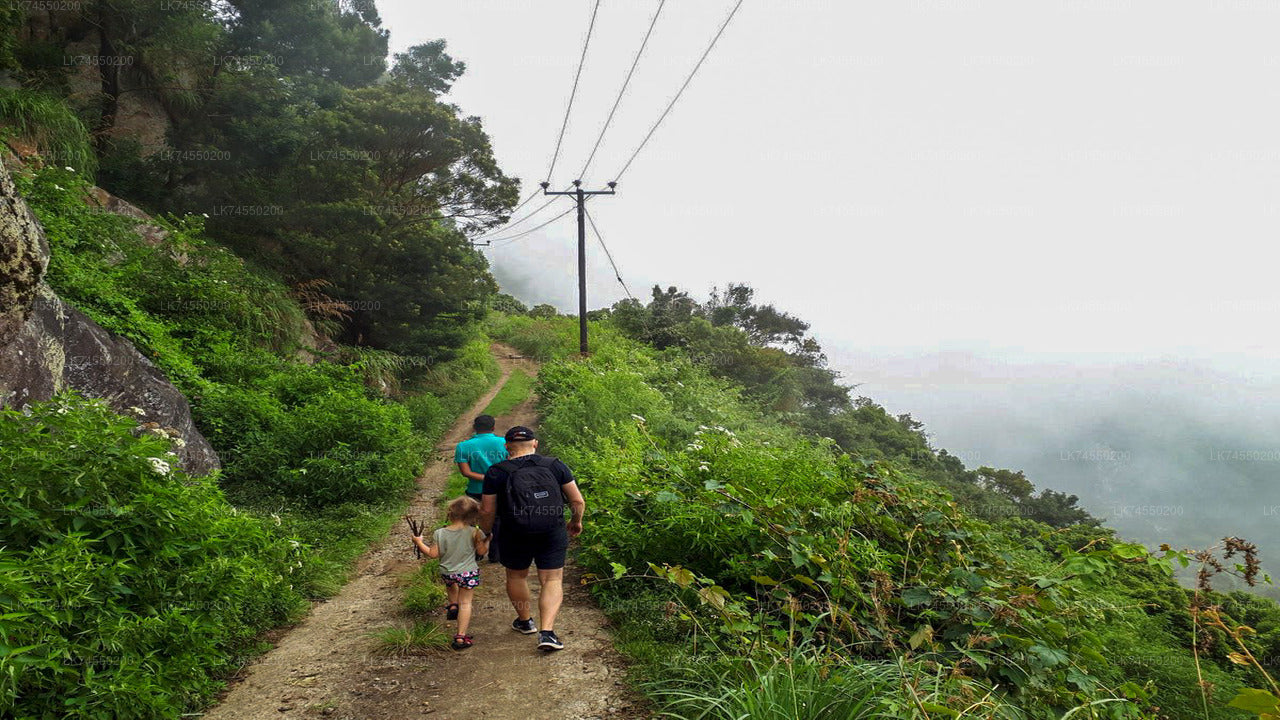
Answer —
1045 228
1067 177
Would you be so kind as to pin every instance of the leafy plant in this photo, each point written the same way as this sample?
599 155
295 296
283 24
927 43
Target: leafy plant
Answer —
130 587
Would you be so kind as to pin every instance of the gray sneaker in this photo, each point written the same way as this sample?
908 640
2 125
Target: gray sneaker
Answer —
548 642
524 626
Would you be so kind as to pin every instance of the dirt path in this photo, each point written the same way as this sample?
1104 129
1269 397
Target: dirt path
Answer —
323 667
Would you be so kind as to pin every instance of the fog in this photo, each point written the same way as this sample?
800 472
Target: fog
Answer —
1164 450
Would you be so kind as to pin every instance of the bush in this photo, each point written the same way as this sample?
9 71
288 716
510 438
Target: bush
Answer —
310 434
714 527
136 586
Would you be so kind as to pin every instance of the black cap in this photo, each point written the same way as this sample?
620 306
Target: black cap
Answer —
520 433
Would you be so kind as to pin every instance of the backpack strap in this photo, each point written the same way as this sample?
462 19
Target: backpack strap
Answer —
546 461
507 466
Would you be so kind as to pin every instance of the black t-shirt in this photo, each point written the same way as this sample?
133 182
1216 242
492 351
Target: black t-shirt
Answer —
495 479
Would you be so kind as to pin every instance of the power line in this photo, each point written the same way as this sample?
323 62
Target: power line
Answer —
689 79
616 272
514 223
491 231
573 93
621 92
517 236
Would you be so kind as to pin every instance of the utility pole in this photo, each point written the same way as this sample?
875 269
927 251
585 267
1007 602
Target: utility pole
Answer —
580 196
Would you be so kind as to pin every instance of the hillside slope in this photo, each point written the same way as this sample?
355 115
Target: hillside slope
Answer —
48 346
757 571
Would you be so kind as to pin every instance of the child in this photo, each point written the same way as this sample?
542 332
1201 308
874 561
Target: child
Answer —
457 545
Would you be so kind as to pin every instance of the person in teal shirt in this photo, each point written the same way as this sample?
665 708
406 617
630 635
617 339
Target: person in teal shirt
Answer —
475 456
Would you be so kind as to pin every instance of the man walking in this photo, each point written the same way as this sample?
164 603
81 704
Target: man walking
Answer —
527 494
475 456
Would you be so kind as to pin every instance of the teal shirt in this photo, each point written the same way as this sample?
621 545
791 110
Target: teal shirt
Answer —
481 452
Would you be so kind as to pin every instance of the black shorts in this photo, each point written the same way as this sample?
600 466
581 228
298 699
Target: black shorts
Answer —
516 551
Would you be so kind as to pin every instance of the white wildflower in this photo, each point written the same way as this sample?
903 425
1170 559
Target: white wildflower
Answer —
159 466
56 186
637 418
138 411
172 454
179 443
276 518
703 467
204 215
68 168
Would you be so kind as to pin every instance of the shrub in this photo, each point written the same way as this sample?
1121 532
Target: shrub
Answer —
310 434
764 546
136 586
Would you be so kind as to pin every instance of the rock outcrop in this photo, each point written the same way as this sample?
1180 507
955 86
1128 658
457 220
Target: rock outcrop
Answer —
47 346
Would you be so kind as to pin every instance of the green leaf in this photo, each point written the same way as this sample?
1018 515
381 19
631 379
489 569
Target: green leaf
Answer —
1258 702
618 570
912 597
1048 656
681 577
922 635
763 580
1129 551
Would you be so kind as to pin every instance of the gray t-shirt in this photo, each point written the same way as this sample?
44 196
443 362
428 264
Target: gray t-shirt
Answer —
457 552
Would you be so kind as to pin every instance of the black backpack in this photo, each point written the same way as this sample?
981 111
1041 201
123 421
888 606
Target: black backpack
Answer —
534 501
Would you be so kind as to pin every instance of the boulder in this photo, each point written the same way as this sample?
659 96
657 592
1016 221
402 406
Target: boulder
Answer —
47 346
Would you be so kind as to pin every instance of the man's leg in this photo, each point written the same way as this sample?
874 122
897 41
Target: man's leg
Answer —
518 592
549 597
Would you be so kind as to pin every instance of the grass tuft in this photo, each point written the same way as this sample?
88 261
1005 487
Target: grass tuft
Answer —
415 640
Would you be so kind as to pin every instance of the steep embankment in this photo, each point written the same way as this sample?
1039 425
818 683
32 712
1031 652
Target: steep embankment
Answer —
327 665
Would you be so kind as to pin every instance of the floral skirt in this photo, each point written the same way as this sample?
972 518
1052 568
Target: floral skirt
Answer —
468 579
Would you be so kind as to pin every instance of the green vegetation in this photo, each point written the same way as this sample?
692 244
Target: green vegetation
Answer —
306 283
514 391
767 544
129 587
317 462
413 640
46 121
423 592
736 550
783 371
